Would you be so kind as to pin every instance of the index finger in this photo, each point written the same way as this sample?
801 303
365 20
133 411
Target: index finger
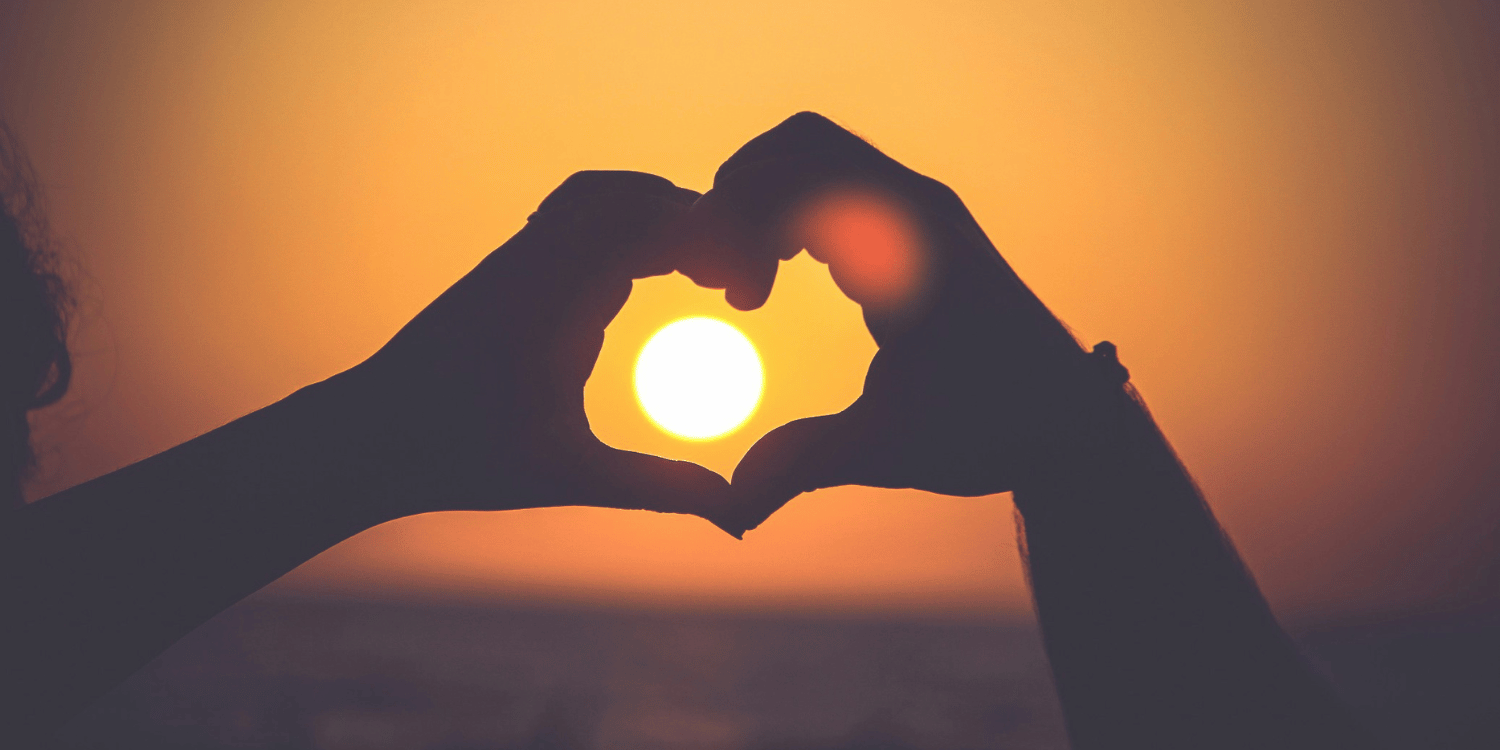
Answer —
614 223
738 230
884 230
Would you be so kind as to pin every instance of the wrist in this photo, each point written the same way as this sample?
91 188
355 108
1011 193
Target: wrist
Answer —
1095 433
358 442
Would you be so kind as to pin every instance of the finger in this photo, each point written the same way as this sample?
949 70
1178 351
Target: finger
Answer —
754 287
613 223
583 269
735 238
636 481
594 225
803 135
875 240
590 183
809 183
811 454
720 248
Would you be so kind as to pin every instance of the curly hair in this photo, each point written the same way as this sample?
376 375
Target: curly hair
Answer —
35 367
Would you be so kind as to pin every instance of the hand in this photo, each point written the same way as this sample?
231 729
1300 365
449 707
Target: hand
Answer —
478 401
975 387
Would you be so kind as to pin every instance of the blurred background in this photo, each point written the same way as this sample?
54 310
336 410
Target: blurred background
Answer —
1287 214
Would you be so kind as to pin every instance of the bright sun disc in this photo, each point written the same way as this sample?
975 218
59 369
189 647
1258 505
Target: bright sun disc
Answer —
698 378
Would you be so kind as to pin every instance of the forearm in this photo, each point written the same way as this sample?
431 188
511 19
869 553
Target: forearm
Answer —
1157 634
101 578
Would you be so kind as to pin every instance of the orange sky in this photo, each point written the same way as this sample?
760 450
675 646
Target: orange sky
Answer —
1285 213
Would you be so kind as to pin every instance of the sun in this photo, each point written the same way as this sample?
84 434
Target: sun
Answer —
698 378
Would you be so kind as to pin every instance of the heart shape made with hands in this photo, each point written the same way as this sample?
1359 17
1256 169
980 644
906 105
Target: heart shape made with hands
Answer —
976 386
810 339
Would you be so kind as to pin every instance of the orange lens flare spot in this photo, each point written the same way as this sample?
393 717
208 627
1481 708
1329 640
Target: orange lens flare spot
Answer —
871 244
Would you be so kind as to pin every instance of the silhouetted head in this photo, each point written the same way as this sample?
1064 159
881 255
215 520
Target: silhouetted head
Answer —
34 363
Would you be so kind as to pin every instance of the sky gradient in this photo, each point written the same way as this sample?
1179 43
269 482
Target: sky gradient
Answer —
1286 214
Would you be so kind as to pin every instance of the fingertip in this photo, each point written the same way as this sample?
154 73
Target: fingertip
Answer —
750 293
759 494
733 530
703 250
716 248
801 456
743 299
782 455
647 482
765 505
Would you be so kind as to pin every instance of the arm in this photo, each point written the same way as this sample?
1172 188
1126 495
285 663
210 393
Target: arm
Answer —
101 578
476 404
1156 632
1157 635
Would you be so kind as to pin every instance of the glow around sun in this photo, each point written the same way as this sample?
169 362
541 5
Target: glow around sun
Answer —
698 378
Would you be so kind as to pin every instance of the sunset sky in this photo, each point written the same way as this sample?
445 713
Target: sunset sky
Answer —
1286 214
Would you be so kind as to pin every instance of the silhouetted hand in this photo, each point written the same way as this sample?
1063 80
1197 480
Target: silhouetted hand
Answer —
476 404
975 381
483 391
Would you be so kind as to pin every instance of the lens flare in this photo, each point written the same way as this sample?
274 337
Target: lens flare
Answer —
871 243
698 378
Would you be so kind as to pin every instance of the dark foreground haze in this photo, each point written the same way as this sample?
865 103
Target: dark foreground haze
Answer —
300 673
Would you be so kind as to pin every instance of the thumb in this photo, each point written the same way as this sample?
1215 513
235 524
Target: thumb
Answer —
637 481
807 455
